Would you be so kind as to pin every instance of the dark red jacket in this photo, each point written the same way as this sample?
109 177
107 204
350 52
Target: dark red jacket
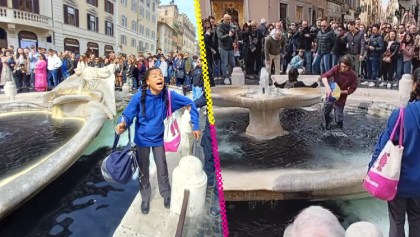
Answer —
345 80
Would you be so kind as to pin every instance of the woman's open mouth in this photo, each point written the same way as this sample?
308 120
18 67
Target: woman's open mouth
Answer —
159 83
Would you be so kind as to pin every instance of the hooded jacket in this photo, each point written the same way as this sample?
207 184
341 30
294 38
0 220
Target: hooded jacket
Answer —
149 128
409 184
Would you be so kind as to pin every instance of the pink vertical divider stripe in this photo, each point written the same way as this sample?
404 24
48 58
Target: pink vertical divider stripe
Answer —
219 180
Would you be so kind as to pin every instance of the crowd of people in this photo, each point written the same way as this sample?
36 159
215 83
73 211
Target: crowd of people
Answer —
381 52
41 69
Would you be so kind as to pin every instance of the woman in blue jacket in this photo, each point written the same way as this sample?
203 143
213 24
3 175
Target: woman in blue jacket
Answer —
149 108
407 200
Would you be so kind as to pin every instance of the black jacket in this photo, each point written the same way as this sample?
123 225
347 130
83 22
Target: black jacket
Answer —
325 41
225 41
305 39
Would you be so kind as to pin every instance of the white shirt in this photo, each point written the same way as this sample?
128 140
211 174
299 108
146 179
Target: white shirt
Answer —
54 62
164 68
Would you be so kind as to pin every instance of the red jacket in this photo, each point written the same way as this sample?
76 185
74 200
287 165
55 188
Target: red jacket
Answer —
345 80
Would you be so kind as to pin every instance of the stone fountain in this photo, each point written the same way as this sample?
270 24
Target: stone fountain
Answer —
89 95
265 104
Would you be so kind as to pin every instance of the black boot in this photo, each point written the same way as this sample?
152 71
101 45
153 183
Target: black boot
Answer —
340 125
167 202
145 207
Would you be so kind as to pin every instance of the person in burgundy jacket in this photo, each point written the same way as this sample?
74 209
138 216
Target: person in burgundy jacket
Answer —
346 79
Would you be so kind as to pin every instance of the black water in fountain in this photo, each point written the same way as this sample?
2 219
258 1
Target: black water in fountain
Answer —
307 146
27 137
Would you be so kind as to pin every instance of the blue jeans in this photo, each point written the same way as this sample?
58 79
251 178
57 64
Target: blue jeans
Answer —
308 61
208 155
66 75
334 60
407 67
321 64
227 58
400 67
374 67
216 68
52 78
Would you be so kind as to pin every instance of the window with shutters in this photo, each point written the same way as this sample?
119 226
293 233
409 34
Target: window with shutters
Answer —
148 15
71 16
93 2
134 26
148 3
147 32
109 28
123 39
124 21
141 29
134 5
146 46
142 11
92 22
153 6
133 42
153 35
24 5
109 7
124 2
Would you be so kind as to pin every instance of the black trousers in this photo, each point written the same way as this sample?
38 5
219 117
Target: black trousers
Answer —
397 209
162 172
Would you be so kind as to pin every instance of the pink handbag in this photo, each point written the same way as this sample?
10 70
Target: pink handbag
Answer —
382 179
172 135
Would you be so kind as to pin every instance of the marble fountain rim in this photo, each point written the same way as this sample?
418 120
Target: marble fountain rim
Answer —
288 100
33 179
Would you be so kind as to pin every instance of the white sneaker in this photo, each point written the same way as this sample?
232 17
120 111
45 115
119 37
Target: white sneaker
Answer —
372 84
395 85
383 84
389 85
365 83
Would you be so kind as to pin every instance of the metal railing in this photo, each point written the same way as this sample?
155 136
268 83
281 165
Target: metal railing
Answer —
183 214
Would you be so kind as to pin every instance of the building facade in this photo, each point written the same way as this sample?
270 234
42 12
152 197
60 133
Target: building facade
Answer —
137 26
183 31
188 34
78 25
23 24
272 10
370 11
165 37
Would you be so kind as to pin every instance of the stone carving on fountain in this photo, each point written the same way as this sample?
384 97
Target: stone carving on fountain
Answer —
92 87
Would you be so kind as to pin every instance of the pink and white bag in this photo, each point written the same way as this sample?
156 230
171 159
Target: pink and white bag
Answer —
382 179
172 135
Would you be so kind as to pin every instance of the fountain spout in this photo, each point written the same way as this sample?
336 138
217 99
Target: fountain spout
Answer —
264 81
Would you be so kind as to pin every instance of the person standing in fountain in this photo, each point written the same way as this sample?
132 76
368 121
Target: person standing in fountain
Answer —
149 107
346 79
40 71
407 200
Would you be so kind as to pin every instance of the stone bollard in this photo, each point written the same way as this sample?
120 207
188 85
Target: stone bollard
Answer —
125 89
185 128
189 175
10 90
405 86
238 77
362 228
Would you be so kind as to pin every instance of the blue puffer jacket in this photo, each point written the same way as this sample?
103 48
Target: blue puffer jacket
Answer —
409 185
